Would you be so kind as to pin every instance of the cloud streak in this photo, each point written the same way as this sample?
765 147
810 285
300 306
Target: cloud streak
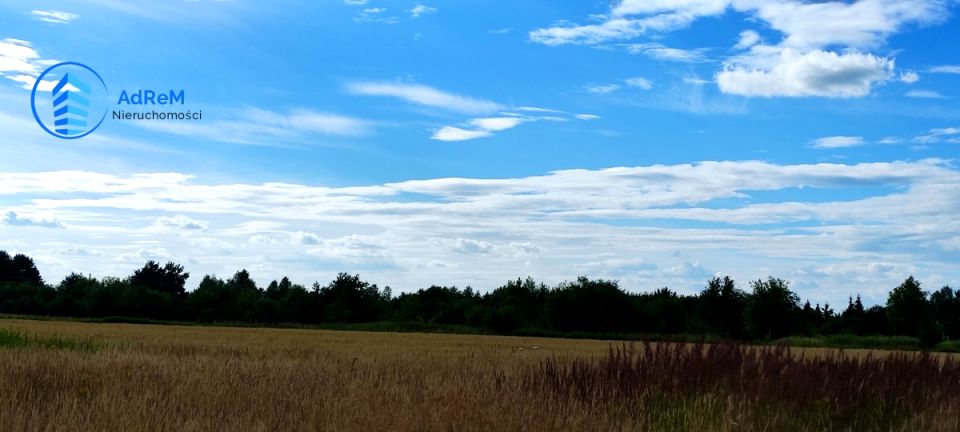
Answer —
424 95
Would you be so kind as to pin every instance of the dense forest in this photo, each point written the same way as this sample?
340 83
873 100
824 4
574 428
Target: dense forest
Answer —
763 310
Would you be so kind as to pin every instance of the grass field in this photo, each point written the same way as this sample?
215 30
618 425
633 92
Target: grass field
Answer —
73 376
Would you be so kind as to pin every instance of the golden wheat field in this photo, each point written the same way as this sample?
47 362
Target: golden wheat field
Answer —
172 378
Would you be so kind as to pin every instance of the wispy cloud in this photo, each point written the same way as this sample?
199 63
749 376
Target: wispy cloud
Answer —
661 52
255 126
924 94
478 128
483 127
424 95
602 88
421 9
949 69
375 15
839 141
937 135
639 82
21 63
54 16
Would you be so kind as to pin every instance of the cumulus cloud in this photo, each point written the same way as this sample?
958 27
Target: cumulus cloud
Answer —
824 49
816 73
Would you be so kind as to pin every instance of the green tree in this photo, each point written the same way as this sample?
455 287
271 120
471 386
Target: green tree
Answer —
945 305
908 309
169 279
772 309
720 307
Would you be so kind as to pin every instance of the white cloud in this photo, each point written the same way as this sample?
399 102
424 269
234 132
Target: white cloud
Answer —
182 222
464 245
479 128
420 9
909 77
375 15
255 126
12 218
355 2
54 17
817 73
826 43
936 135
453 133
602 88
424 95
838 142
949 69
924 94
17 56
557 222
748 38
587 117
860 24
639 82
695 80
630 19
660 52
482 127
495 124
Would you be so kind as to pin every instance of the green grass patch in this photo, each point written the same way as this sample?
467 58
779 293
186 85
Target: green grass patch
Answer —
952 346
11 338
853 341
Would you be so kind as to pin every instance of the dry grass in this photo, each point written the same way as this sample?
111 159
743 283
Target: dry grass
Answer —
166 378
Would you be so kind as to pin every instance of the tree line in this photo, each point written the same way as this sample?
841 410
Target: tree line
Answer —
763 310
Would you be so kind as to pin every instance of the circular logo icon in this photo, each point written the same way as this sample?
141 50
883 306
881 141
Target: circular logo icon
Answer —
69 100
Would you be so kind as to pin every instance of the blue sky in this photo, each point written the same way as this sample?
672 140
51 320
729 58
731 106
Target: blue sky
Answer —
654 142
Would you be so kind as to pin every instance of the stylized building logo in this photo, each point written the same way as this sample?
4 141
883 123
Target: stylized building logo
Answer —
75 106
